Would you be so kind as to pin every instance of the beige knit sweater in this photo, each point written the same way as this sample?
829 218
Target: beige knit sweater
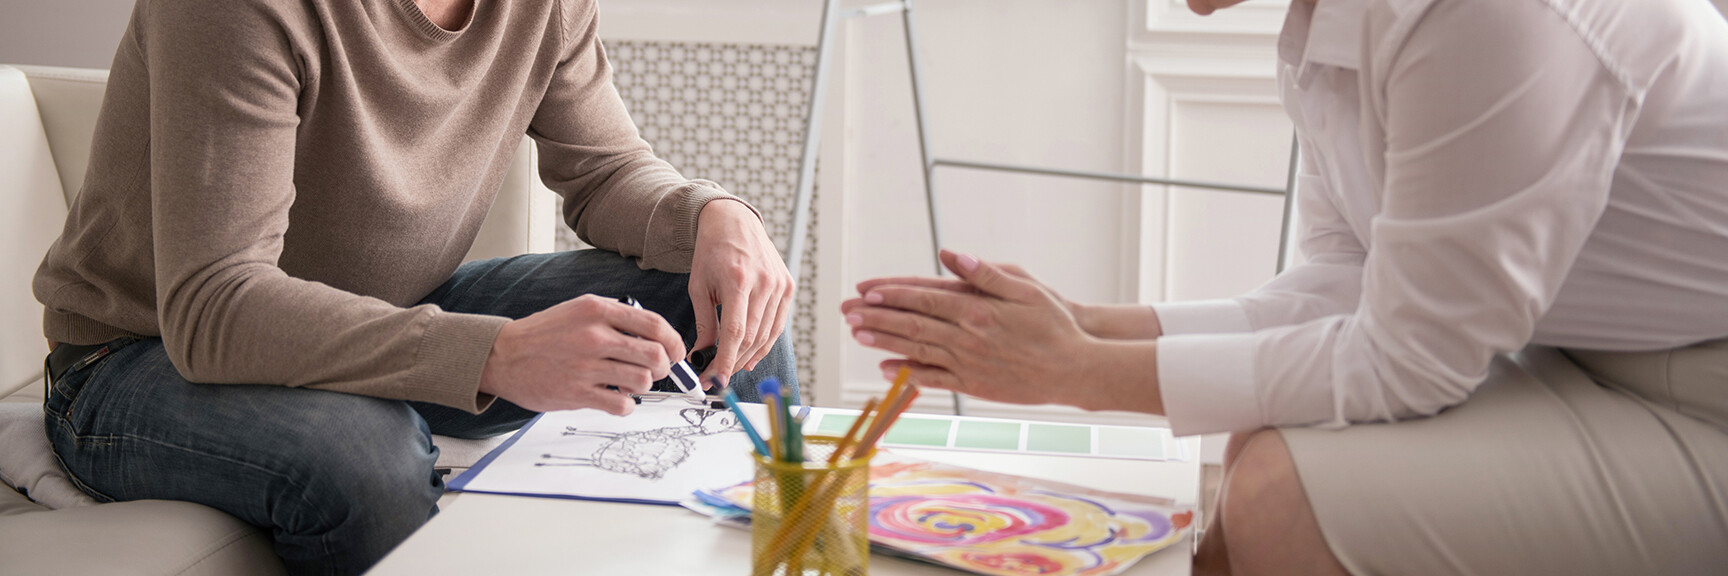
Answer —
274 185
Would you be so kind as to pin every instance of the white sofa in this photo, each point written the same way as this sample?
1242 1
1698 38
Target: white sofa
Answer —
47 117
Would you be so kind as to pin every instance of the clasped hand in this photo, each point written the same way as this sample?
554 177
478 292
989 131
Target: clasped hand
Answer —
995 333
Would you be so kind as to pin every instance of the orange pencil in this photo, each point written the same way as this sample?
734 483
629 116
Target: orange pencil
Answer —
851 433
880 426
899 387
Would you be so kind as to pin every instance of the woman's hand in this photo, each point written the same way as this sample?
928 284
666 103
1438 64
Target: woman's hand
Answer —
995 334
1108 321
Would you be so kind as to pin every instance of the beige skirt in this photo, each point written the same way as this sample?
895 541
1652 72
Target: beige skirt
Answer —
1570 463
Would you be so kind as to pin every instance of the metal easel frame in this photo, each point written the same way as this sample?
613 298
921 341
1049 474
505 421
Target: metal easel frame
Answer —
831 17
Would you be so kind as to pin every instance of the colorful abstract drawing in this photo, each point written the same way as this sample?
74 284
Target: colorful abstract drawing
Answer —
998 524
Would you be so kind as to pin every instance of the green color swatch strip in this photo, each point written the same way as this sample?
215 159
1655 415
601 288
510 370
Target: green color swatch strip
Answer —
1118 441
835 424
919 432
1130 442
1059 438
988 435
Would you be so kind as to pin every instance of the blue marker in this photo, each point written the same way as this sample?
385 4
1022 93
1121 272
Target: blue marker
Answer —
731 400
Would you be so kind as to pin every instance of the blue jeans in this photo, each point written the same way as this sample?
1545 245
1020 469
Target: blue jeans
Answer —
338 479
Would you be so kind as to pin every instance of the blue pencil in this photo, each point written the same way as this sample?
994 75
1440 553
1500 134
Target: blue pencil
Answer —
731 400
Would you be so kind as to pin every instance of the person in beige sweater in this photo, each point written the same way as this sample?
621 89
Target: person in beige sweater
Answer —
280 197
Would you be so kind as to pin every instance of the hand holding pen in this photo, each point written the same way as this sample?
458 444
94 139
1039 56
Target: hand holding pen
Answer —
588 352
682 375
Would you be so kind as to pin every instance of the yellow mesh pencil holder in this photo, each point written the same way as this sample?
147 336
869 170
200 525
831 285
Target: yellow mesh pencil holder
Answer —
811 518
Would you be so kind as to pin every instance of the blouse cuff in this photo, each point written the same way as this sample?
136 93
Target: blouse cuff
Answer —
1207 383
1223 316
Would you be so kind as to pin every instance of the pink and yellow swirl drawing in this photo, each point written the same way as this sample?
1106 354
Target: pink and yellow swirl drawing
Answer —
996 524
961 519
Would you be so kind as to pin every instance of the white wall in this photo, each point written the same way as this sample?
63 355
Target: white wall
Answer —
1010 81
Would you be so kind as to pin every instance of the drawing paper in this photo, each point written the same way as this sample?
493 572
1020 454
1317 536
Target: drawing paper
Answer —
658 455
670 448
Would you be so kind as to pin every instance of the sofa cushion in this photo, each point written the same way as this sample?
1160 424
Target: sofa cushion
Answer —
68 99
32 211
143 537
27 462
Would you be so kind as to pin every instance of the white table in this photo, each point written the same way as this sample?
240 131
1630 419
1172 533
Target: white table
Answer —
480 534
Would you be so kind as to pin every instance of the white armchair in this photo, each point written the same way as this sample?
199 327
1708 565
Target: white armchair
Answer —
47 118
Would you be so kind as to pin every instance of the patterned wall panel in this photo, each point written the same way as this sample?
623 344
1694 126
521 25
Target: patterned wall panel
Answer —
733 114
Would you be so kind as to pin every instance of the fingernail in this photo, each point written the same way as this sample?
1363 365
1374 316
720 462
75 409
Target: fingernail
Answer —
854 319
968 262
865 338
888 374
873 298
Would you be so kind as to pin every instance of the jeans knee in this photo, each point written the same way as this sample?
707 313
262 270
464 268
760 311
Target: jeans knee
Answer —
781 362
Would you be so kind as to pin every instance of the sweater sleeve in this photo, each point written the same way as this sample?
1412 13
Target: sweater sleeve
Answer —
224 90
617 195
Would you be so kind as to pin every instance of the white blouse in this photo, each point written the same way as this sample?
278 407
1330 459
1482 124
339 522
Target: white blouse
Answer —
1477 175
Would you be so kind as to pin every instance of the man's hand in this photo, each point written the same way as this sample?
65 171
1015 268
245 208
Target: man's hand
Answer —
590 352
737 268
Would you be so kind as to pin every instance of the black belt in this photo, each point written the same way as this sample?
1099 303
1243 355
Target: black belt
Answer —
68 357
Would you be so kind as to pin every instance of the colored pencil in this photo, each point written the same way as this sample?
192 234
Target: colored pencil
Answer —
731 400
794 433
851 433
774 433
880 426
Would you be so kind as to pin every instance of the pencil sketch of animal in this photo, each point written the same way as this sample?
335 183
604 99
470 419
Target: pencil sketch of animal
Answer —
648 454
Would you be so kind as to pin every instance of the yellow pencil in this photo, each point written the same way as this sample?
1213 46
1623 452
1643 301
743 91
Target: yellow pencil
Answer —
775 442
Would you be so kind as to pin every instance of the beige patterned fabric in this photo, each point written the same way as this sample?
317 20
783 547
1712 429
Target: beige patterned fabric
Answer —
733 114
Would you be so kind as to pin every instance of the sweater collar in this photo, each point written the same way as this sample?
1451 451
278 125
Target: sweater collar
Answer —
418 20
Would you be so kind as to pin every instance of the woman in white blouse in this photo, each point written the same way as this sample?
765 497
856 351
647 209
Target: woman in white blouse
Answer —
1515 220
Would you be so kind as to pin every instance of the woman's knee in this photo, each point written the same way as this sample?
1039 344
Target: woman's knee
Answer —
1238 441
1260 469
1268 523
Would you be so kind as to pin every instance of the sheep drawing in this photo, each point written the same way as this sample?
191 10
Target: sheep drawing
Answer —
647 454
